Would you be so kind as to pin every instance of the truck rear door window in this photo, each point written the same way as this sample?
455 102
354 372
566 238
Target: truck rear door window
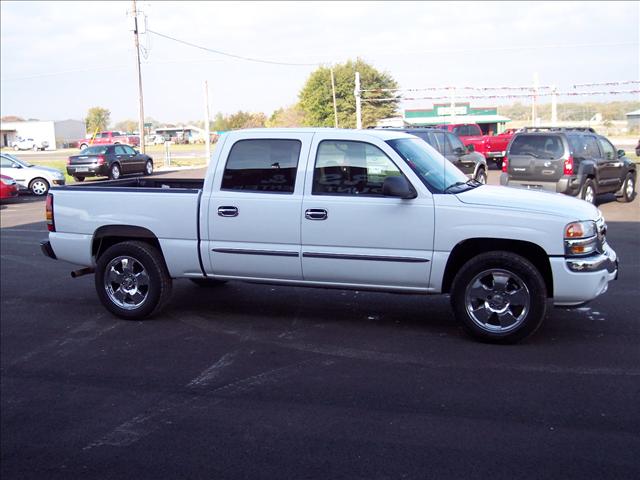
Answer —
264 166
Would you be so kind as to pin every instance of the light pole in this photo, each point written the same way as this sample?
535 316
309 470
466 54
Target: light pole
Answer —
140 101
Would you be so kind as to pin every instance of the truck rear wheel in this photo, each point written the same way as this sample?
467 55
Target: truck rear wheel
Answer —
132 280
499 297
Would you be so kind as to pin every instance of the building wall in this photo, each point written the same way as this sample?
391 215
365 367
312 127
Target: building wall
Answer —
68 131
39 131
633 121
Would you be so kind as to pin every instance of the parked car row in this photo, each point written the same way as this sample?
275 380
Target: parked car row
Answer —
111 161
33 178
574 161
472 164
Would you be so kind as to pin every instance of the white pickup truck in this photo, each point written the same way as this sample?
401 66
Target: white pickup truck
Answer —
349 209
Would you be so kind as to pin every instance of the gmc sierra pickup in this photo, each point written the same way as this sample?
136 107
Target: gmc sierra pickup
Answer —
370 209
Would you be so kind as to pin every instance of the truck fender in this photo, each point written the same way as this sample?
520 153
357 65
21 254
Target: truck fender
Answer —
109 235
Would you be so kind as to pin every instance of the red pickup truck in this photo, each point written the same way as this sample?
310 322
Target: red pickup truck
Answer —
110 137
493 147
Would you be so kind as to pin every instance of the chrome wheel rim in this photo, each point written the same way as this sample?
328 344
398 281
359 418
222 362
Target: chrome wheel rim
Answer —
115 172
126 282
589 194
149 168
629 189
482 179
497 300
39 187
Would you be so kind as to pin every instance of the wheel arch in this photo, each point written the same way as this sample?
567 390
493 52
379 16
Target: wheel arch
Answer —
467 249
109 235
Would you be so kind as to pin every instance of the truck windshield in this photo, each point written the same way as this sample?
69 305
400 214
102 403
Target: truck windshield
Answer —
435 171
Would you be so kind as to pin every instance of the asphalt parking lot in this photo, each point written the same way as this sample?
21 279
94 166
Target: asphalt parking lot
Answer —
255 381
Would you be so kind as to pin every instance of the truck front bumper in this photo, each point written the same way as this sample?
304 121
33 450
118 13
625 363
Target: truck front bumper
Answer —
579 280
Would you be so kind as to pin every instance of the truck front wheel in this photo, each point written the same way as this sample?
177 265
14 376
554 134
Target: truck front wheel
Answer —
499 297
132 280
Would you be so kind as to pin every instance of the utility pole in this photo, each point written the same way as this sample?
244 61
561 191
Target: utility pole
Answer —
141 103
534 112
554 106
206 121
452 93
358 102
335 107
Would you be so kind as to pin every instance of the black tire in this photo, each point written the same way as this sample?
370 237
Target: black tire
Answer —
148 168
588 192
499 163
481 176
523 298
78 179
39 186
114 171
143 258
207 282
628 190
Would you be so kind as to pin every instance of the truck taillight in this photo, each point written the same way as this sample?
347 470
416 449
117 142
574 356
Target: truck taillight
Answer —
51 224
101 160
568 166
505 164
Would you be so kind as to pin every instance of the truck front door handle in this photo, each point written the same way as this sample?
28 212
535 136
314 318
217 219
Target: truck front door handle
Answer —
315 214
227 211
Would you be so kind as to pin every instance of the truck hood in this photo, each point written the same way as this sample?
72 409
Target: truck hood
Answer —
549 203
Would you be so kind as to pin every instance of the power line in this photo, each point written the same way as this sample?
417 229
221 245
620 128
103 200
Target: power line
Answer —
509 96
232 55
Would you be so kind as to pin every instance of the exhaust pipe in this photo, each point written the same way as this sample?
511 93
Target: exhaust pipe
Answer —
82 271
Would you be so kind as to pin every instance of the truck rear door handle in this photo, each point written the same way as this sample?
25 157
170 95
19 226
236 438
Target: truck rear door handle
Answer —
315 214
228 211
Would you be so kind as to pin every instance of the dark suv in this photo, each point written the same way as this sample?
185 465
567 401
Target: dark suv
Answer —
574 161
471 163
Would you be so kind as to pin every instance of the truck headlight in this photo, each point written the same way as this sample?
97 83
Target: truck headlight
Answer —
581 238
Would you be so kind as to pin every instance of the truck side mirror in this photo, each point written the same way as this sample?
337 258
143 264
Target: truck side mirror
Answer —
398 186
471 148
621 153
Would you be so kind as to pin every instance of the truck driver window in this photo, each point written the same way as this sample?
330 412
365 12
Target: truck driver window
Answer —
263 166
351 168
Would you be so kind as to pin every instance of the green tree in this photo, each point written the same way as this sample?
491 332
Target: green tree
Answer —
98 118
127 126
291 116
316 97
242 119
220 123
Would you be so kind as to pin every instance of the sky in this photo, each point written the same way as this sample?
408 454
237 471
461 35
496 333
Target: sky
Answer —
58 59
